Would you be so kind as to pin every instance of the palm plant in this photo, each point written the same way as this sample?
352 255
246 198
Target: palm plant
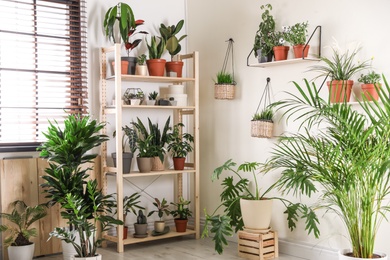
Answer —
22 216
347 155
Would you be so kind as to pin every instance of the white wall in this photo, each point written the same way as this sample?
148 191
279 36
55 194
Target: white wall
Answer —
225 125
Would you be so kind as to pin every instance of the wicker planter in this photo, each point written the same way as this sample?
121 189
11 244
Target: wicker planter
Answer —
262 129
224 91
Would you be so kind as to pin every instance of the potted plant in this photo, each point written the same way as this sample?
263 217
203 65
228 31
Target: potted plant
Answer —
262 124
155 64
181 214
18 241
340 68
243 206
141 226
130 136
152 98
371 85
130 204
263 44
158 140
168 33
180 145
224 87
280 51
296 35
83 204
141 68
161 208
346 152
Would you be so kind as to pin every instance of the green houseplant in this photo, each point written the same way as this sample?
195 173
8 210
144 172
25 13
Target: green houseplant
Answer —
181 214
180 145
22 217
263 43
141 226
279 49
162 207
156 48
141 68
340 68
262 123
370 85
168 33
130 137
296 35
224 87
83 205
245 205
344 151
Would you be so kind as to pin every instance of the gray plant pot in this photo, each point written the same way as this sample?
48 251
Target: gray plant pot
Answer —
126 161
140 229
262 59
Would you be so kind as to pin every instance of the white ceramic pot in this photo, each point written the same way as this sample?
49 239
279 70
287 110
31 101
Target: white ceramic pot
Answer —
141 70
21 252
97 257
176 89
256 214
342 255
159 226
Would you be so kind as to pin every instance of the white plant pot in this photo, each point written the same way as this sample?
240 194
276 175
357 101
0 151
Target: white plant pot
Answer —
256 214
150 102
68 250
141 70
21 252
135 102
176 89
345 251
97 257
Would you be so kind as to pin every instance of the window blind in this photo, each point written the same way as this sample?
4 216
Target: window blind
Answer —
43 72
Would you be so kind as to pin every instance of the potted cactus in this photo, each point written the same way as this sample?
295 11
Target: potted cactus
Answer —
141 226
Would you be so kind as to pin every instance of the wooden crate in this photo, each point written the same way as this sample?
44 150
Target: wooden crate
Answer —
258 246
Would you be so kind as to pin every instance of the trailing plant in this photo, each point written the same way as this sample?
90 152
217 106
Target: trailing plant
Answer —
225 78
343 150
22 217
168 33
179 144
125 21
161 208
266 114
182 211
236 187
156 49
370 78
296 34
264 35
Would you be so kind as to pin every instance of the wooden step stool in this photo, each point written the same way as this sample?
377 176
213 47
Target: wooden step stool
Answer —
258 246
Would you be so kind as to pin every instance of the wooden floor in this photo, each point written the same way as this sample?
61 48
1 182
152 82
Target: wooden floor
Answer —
182 248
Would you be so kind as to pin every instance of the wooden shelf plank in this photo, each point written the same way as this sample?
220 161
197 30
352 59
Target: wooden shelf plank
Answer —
111 171
282 62
155 79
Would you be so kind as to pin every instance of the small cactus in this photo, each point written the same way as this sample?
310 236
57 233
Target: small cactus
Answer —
141 218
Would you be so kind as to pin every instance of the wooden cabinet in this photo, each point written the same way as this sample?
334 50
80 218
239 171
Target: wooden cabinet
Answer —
115 109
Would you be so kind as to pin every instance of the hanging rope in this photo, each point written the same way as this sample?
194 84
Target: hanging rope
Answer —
266 96
226 60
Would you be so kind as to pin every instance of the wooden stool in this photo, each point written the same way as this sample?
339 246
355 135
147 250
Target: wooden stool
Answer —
258 246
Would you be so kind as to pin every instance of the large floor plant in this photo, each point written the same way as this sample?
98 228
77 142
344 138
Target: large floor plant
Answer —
341 152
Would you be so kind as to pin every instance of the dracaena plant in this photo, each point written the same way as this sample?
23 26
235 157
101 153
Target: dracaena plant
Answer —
125 21
130 45
343 150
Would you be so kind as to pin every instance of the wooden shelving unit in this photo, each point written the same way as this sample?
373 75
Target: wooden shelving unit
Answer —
192 168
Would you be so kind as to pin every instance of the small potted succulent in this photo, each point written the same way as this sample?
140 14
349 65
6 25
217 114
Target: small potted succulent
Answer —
181 214
152 98
141 68
263 43
180 145
224 87
162 207
296 35
156 47
141 226
168 33
262 123
370 85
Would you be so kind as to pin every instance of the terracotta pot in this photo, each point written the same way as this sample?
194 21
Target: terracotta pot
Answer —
178 163
174 68
256 214
144 164
298 50
181 225
157 164
124 66
125 230
156 67
281 52
370 91
132 63
343 255
340 90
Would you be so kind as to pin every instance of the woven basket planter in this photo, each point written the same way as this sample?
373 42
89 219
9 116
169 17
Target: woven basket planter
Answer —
262 129
224 91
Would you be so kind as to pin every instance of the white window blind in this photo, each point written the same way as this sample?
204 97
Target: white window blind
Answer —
42 66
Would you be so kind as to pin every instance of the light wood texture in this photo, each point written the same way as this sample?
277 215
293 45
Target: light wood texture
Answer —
258 246
178 113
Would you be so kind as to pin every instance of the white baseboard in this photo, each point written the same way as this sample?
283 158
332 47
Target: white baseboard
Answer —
302 250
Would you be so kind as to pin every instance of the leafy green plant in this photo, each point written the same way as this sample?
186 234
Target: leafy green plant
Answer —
343 150
179 144
126 21
340 66
141 59
168 33
161 208
156 49
370 78
225 78
266 114
182 211
133 31
153 95
145 147
236 189
264 35
297 33
22 216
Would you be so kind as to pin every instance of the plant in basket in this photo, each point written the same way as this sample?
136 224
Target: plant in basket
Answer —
262 123
224 85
